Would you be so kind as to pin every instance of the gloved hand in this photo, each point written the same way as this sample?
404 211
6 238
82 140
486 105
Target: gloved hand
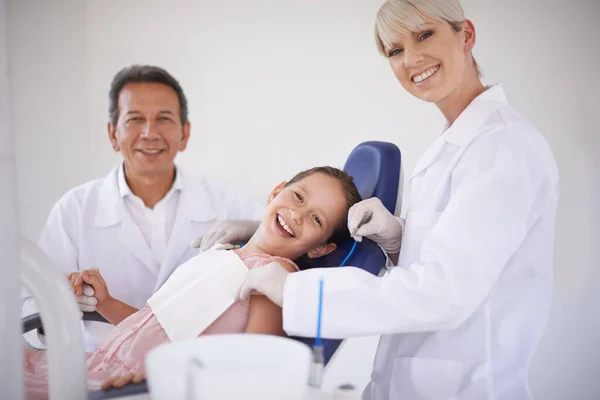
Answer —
372 220
268 280
93 278
234 232
84 292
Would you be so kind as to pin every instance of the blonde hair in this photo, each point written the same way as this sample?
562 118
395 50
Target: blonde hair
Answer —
398 18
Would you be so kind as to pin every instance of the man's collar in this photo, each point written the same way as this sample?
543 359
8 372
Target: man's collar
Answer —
125 190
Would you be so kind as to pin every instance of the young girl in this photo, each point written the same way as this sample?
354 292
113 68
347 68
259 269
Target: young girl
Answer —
305 216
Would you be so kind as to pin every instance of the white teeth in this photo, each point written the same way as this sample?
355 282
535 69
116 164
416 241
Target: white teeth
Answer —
421 77
284 225
151 151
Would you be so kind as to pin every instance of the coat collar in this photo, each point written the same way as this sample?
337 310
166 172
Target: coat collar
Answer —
466 127
125 191
195 202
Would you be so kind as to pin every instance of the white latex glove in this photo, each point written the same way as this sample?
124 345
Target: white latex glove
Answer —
268 280
372 220
235 232
87 302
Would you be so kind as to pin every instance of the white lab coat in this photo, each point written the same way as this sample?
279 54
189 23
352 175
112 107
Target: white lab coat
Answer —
464 310
90 226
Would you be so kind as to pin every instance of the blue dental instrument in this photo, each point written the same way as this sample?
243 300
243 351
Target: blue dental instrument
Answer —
319 314
318 363
349 254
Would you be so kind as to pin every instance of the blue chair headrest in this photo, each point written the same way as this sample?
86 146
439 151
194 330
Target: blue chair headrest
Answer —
375 167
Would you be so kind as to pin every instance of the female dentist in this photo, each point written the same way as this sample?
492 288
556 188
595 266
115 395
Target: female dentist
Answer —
463 311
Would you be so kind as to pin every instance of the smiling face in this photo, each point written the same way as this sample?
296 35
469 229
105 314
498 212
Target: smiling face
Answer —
301 217
431 63
148 132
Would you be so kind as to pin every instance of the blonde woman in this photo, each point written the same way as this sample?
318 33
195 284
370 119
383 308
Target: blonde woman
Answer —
462 313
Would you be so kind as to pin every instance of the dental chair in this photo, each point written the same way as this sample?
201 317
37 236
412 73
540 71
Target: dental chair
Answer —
376 169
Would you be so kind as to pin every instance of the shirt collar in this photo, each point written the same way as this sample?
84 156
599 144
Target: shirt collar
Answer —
125 191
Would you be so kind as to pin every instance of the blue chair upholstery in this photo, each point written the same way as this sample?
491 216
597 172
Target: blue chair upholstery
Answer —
375 168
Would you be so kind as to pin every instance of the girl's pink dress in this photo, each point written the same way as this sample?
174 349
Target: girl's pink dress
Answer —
126 346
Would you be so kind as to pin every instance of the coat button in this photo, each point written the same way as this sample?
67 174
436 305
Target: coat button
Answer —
375 376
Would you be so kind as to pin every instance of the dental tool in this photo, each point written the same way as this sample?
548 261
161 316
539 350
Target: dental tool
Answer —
318 362
349 254
364 221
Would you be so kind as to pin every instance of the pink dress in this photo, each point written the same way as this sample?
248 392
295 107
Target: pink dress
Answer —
126 346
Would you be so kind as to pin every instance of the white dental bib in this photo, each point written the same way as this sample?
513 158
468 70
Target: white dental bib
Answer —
198 292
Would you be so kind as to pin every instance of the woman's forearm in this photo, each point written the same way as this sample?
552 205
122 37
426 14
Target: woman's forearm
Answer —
115 311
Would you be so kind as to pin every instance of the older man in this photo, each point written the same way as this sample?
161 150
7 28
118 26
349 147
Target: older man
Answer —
135 224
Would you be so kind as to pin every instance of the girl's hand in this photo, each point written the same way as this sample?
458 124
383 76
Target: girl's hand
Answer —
77 284
120 381
96 281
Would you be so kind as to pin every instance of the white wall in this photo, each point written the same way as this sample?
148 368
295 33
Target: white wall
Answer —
300 84
11 379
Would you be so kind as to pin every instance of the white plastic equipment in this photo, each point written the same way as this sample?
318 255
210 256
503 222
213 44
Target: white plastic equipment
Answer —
229 367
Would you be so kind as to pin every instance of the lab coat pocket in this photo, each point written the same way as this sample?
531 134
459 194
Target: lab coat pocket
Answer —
425 379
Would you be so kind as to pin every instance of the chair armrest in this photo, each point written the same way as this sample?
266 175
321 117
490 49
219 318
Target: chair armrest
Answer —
130 389
31 322
34 321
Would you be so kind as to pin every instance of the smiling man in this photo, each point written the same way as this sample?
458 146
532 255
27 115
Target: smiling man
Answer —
135 225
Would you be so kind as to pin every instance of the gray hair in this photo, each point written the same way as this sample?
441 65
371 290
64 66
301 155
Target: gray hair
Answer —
143 74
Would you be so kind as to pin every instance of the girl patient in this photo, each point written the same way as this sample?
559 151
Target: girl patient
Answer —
304 217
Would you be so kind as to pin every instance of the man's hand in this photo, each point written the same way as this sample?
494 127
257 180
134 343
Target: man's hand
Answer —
93 278
113 310
84 292
268 280
120 381
233 232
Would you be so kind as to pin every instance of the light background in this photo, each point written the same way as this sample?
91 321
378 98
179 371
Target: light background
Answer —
277 86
